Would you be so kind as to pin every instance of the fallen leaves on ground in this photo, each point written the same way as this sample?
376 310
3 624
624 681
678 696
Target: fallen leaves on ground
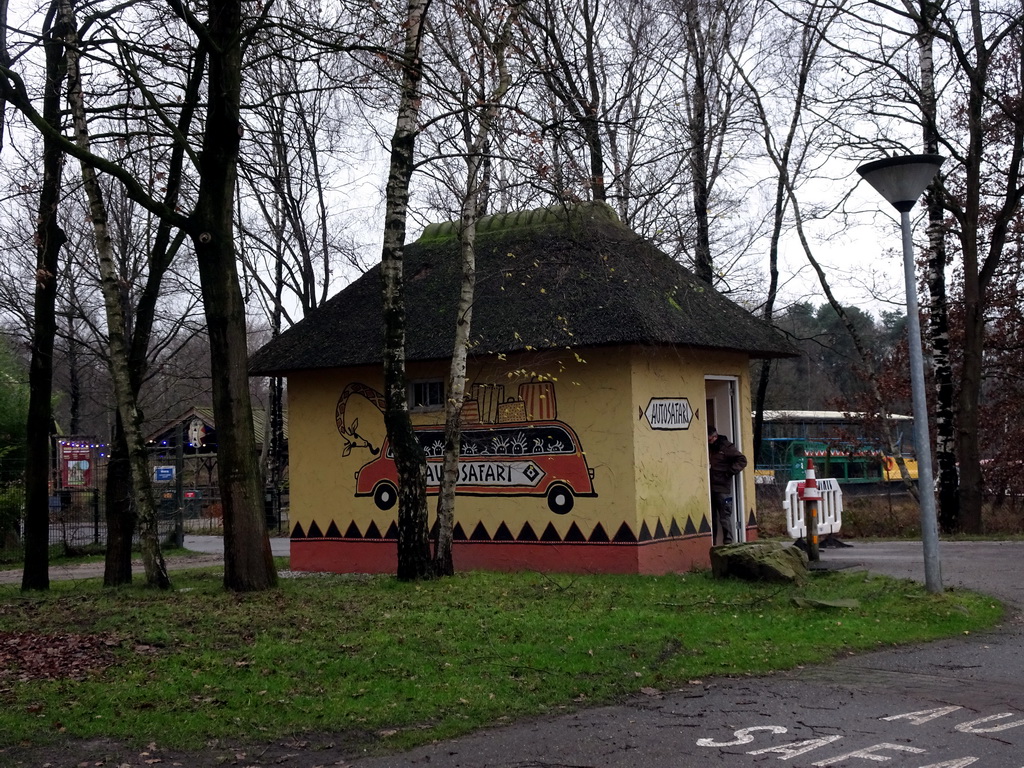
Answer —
26 656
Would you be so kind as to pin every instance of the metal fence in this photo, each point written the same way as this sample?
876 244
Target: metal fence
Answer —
78 512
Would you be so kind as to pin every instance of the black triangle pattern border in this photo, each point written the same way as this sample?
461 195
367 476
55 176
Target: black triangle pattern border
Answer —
527 533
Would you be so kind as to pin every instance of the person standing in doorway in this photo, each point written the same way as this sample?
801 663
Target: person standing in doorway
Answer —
725 462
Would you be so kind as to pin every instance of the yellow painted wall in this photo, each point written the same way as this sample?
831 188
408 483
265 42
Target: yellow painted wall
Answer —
321 479
592 398
672 465
640 475
589 390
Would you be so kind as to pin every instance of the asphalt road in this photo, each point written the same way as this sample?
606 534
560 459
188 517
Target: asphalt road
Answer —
949 704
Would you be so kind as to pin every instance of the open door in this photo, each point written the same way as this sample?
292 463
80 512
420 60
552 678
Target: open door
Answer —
722 409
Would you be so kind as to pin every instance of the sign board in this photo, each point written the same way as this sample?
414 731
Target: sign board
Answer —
196 432
669 413
76 465
163 474
490 473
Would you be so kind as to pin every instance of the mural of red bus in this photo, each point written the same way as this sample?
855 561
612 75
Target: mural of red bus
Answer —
536 458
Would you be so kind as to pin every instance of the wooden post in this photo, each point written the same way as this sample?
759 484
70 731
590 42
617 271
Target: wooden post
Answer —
179 486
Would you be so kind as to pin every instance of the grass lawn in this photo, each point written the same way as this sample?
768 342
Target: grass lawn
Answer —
401 664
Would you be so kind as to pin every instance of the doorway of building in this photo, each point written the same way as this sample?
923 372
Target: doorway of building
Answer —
722 408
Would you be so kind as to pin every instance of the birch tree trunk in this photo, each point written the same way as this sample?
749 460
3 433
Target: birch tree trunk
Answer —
124 392
443 563
413 541
120 513
472 209
947 477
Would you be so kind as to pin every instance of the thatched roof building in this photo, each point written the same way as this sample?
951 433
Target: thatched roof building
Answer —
549 278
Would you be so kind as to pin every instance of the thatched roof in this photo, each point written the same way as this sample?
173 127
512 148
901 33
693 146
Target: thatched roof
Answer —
551 278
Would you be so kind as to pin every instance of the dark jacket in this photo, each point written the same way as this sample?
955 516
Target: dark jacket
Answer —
726 461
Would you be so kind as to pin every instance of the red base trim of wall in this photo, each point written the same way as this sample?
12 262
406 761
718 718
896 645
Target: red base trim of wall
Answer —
664 556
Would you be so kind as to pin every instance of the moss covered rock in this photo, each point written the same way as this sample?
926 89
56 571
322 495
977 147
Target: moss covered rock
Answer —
759 561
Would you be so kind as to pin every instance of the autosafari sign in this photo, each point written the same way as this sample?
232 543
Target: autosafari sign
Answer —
669 413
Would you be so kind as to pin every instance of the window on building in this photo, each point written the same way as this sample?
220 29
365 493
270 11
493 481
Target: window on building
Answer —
426 395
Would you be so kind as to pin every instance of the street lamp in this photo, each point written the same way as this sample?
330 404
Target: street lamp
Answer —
901 180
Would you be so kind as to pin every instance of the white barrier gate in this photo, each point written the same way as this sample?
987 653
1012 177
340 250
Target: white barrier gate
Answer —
830 508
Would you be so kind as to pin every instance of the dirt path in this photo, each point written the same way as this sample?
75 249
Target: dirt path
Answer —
95 570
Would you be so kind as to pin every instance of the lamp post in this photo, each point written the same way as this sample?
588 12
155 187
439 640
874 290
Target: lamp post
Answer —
901 180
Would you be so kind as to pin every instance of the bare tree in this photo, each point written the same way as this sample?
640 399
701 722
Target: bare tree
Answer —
249 564
648 163
125 394
715 32
947 477
973 44
209 225
295 245
49 240
474 44
80 405
567 52
780 84
413 545
645 98
290 171
984 203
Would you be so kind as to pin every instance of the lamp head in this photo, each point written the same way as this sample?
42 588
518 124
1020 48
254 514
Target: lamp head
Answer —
901 180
